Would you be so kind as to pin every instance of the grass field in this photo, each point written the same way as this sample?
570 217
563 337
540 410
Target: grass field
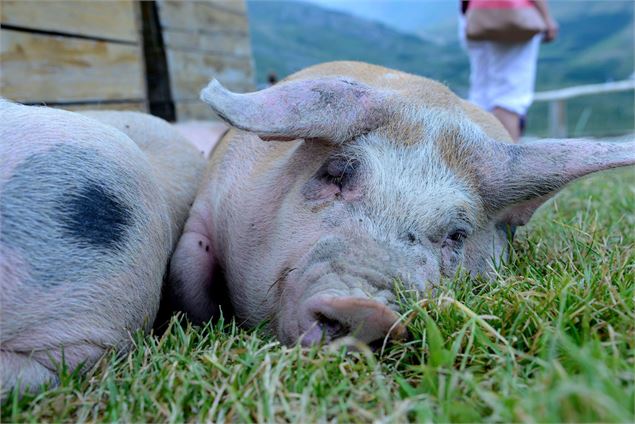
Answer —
551 339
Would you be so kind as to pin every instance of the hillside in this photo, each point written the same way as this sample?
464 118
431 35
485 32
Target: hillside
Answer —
595 45
288 36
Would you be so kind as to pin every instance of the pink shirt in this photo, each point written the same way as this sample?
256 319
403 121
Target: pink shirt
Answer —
500 4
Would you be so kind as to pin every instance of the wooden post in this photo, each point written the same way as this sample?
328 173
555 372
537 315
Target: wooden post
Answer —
558 118
160 102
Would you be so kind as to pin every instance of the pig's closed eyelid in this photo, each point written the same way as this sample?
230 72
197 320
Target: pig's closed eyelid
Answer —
339 171
338 180
341 164
457 235
441 236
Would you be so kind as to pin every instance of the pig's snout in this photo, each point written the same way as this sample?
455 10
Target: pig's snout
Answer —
326 318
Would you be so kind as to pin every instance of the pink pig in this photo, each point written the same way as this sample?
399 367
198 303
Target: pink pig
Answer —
91 207
369 175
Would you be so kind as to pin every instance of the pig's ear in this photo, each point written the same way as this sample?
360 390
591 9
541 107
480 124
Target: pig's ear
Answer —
334 109
517 179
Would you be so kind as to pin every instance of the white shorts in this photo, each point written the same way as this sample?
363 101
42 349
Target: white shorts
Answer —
503 74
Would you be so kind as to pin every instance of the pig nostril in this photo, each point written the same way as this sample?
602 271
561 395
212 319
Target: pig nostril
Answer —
331 328
364 319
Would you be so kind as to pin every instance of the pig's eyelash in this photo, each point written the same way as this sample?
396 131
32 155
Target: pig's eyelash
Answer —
332 179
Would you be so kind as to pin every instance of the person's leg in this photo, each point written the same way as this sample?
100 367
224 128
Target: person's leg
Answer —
510 120
513 82
478 52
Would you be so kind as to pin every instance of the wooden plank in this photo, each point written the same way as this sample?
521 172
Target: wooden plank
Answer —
139 106
199 15
104 19
191 71
194 110
55 69
236 6
232 43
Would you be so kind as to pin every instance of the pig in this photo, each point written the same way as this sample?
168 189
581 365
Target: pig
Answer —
346 177
91 207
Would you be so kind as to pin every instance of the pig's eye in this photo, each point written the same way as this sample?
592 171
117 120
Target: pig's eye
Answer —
338 171
457 236
455 239
334 178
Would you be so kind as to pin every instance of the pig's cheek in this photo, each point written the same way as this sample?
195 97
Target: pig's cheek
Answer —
353 193
450 260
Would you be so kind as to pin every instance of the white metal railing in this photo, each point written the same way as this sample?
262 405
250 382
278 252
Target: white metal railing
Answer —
558 98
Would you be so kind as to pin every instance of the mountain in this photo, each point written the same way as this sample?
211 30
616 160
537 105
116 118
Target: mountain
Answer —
288 36
414 16
596 44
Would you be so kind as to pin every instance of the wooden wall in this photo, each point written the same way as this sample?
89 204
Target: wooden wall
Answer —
205 40
71 54
90 54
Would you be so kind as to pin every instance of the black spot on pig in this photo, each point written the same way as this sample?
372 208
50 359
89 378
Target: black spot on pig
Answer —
64 213
94 215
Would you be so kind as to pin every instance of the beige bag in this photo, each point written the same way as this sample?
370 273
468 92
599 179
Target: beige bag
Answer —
511 25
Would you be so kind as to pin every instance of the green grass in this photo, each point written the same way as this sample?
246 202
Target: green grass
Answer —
551 339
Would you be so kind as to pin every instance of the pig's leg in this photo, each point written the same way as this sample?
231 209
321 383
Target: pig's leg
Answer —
30 369
23 370
192 269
